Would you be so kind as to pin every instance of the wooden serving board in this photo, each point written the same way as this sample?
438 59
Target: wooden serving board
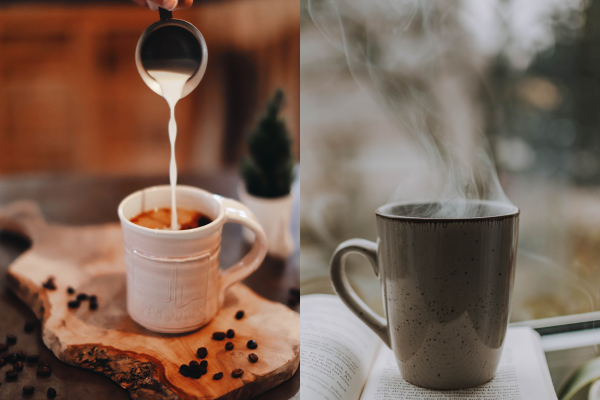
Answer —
91 260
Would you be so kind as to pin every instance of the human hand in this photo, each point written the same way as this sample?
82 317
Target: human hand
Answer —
166 4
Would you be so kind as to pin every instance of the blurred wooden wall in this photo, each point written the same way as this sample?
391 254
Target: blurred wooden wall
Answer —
71 98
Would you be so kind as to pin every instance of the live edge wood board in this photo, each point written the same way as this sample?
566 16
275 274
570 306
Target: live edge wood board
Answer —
91 260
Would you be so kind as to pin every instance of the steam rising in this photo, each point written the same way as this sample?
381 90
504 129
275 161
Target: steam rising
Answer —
423 61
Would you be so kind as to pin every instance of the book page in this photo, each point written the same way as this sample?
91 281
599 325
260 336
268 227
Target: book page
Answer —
336 350
522 375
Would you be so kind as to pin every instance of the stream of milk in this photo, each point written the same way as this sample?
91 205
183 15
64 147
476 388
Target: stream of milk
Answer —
171 86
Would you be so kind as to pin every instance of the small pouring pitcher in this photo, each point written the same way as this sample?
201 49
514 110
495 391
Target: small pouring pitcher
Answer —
171 45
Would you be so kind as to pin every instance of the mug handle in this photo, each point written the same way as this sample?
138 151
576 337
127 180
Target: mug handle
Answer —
347 294
238 213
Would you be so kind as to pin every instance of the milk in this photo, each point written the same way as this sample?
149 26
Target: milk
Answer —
171 85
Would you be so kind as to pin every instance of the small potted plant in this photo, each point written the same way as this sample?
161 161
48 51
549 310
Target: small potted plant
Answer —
268 174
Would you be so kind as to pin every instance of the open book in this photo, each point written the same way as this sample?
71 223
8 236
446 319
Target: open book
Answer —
342 359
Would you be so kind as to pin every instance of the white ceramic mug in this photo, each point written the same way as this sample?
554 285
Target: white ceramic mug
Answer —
174 283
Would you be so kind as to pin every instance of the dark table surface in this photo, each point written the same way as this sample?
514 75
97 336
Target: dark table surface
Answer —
84 200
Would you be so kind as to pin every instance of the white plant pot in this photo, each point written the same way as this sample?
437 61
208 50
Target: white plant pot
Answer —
274 215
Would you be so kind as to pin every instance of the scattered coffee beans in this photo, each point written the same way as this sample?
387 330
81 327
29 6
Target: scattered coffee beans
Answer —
236 373
93 305
70 290
239 314
204 364
28 389
3 347
43 371
11 374
29 326
74 304
82 296
51 393
33 358
202 352
49 284
229 346
184 370
252 344
252 357
21 356
217 376
43 364
230 333
11 339
218 335
194 364
12 358
94 298
18 366
3 362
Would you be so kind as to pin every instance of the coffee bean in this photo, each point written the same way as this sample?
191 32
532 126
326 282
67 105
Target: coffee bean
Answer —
252 344
194 363
217 376
218 335
203 364
93 305
51 393
11 339
82 296
236 373
74 304
229 346
230 333
29 326
3 347
12 358
33 358
49 284
21 356
202 352
43 371
3 362
94 298
70 290
28 389
252 357
184 370
43 364
18 366
11 374
195 373
239 314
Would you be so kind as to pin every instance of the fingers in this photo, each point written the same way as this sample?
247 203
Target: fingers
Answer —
166 4
183 4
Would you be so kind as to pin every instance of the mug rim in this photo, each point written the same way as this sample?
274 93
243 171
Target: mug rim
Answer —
381 212
167 232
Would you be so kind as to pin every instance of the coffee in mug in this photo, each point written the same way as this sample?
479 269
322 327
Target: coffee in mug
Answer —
447 286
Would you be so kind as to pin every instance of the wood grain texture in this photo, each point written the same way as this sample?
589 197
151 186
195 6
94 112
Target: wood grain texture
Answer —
90 259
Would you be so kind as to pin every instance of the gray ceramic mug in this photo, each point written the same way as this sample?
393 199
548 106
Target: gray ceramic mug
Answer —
447 287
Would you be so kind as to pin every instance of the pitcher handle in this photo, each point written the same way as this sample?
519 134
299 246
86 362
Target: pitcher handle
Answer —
238 213
347 294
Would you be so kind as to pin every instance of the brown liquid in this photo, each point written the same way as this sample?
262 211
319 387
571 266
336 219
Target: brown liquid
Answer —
161 219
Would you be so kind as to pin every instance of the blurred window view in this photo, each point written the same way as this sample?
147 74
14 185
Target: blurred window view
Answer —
523 73
72 101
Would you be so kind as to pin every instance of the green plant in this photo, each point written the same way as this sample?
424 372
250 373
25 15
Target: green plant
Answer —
268 171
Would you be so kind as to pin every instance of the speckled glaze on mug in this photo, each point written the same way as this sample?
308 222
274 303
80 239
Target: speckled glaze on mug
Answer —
174 283
447 287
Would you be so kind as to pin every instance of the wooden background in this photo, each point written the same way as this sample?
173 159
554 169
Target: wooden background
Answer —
71 98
